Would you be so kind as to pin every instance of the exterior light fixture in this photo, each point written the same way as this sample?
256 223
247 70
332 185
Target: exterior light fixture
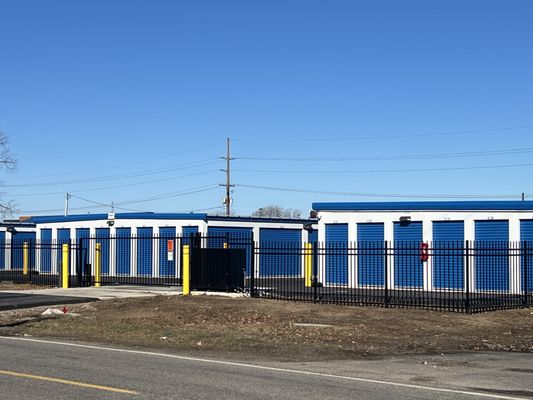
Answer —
308 227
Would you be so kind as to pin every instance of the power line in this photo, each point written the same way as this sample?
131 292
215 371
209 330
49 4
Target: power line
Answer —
153 198
201 163
169 195
397 157
366 171
117 186
54 210
89 201
113 167
119 205
327 138
97 204
207 209
385 195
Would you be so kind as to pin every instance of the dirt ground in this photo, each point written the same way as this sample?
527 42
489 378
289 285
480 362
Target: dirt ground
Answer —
267 329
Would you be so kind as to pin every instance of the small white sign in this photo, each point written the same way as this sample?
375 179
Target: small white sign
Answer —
111 215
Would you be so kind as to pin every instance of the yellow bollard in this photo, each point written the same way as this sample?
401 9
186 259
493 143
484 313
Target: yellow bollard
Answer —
65 266
25 257
308 247
98 257
186 271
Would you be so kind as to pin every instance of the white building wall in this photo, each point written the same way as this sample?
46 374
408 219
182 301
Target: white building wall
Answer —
156 224
8 239
352 218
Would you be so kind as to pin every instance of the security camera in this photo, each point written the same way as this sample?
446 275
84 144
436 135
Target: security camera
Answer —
110 223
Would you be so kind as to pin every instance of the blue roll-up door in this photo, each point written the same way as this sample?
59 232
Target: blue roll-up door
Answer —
371 254
526 237
408 269
123 252
236 237
166 267
337 254
82 240
280 253
17 253
82 233
526 231
102 237
218 235
63 237
492 255
2 249
448 254
144 251
46 250
187 231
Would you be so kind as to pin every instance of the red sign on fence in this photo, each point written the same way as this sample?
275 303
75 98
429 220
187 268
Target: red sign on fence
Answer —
170 250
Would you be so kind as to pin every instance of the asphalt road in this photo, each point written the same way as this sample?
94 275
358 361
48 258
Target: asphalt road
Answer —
33 369
11 301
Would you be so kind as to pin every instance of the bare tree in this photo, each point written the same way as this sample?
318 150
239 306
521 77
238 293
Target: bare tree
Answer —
277 211
8 163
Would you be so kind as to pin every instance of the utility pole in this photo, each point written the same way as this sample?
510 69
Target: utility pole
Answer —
523 196
67 198
227 199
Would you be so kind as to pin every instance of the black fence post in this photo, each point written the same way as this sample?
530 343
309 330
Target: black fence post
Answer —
386 248
252 267
526 299
467 277
197 242
315 273
75 281
57 254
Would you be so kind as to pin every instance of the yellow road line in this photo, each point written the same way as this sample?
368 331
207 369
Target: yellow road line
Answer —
67 382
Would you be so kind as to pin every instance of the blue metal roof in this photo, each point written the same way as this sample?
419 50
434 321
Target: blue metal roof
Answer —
96 217
261 219
14 224
170 216
427 206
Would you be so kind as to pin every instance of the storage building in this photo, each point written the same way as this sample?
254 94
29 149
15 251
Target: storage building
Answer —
139 244
476 241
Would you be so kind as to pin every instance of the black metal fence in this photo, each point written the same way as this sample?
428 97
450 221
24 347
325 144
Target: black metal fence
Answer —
36 262
456 276
453 276
130 259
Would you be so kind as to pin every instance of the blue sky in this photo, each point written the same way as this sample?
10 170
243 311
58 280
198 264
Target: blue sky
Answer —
124 101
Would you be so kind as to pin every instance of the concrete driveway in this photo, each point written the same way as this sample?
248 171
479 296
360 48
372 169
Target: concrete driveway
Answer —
102 293
14 299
